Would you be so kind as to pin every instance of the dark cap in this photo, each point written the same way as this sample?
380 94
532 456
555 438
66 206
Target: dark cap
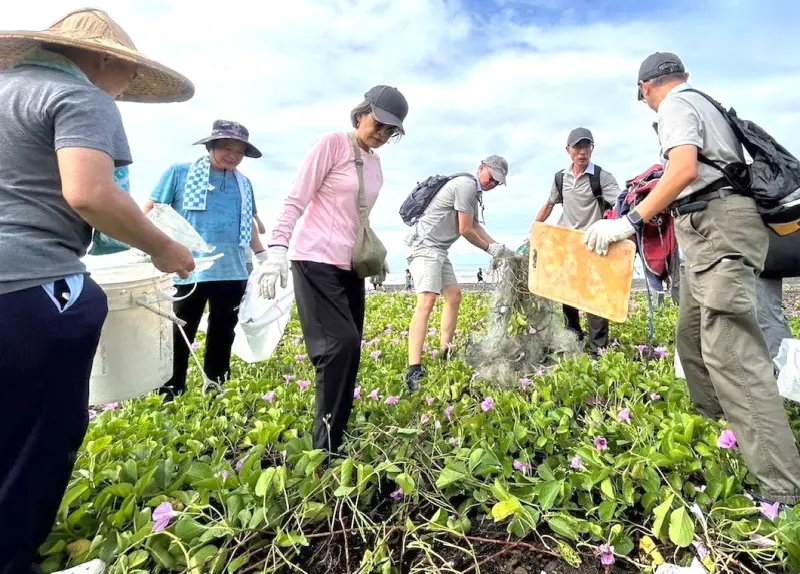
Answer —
579 134
388 104
656 65
227 130
498 166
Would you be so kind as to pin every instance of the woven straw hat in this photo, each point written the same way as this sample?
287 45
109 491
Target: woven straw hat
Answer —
94 30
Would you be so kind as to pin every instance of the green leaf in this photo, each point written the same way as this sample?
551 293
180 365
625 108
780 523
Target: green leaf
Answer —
661 511
291 539
681 528
548 493
623 544
451 474
238 562
607 488
264 482
568 554
606 510
406 483
347 471
505 508
563 526
187 529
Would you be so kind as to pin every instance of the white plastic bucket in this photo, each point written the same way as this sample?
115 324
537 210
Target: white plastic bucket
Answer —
135 351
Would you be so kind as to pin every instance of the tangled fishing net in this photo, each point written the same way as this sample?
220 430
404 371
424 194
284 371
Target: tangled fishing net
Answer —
525 333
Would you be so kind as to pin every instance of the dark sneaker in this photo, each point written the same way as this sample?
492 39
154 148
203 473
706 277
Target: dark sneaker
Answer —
413 378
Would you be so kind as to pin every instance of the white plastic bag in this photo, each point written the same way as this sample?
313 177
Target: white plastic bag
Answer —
679 374
788 362
261 321
175 225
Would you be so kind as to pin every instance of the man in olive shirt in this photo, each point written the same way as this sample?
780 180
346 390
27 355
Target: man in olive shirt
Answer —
584 190
724 241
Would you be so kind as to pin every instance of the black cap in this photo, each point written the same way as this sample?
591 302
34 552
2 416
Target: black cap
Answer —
659 64
388 104
579 134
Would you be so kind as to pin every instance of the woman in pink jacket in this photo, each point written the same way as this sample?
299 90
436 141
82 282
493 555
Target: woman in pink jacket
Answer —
330 295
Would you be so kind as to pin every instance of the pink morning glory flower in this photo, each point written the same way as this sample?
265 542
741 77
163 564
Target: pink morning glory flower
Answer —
388 330
437 424
375 395
392 400
771 511
625 415
762 541
521 466
532 331
404 333
453 441
727 440
487 404
655 397
397 495
270 397
288 378
303 385
92 415
476 375
448 412
239 465
111 407
661 352
640 349
162 516
395 342
357 393
430 401
432 332
224 475
525 383
376 355
606 553
425 347
425 419
435 353
195 346
600 443
300 358
577 463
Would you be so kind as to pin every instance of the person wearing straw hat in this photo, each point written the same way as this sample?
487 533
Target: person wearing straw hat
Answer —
217 200
340 176
61 137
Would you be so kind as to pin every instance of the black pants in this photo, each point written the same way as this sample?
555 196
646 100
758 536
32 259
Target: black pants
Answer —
223 299
330 306
598 329
46 354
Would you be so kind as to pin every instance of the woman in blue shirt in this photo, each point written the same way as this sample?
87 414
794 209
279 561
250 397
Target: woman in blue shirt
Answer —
212 194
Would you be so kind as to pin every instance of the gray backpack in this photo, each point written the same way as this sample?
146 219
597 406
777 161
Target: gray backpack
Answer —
421 196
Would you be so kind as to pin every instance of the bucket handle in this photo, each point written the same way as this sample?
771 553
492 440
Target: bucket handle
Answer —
165 297
141 302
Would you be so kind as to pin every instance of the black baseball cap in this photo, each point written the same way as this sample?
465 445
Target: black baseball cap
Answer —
656 65
388 104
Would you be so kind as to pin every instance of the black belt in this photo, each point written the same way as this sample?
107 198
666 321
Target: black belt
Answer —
699 201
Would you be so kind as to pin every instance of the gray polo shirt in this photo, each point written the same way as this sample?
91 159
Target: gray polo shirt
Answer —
438 226
41 111
685 118
580 206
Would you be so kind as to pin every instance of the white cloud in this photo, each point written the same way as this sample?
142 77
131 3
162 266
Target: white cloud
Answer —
477 83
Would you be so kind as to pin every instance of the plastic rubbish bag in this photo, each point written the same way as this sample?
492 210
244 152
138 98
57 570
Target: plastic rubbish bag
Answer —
694 568
788 363
679 374
262 322
175 225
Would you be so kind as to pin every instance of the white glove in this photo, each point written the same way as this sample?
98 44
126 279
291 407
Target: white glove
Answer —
261 256
275 267
606 231
497 249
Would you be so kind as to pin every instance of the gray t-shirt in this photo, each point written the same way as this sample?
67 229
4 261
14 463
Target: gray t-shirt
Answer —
438 226
41 111
686 118
580 206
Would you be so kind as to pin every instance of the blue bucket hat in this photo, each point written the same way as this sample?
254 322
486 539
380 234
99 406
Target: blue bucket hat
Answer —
227 130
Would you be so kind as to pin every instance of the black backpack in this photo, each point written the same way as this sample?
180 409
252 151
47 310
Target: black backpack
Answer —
421 196
594 182
772 179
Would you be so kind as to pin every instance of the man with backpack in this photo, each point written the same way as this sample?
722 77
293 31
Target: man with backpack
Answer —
442 209
719 205
585 192
782 261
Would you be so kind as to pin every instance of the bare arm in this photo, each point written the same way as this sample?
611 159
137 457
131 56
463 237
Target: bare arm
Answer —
544 212
87 181
482 233
255 239
148 206
468 230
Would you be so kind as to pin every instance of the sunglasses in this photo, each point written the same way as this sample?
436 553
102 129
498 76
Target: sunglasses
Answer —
386 129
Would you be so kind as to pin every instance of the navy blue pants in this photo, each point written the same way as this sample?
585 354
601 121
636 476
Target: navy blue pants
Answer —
46 357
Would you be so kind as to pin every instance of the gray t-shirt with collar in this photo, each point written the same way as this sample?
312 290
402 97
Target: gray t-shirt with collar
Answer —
438 226
41 111
686 118
580 206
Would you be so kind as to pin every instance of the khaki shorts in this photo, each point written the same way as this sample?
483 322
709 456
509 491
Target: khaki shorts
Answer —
432 271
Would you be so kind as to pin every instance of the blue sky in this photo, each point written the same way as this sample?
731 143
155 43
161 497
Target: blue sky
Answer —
510 77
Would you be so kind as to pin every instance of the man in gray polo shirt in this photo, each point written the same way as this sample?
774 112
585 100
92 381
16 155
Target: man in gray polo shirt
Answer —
584 190
724 241
453 212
